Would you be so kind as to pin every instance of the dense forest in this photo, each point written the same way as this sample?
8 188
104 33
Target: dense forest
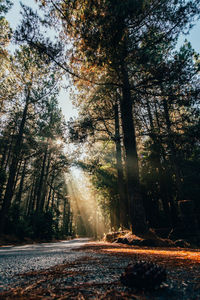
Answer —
136 139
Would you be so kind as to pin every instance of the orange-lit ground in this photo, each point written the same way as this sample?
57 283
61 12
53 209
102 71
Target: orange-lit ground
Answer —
180 254
97 277
166 256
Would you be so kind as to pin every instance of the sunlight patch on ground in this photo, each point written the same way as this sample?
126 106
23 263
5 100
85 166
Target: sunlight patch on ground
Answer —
180 254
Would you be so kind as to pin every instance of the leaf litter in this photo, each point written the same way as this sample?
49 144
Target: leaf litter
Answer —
97 275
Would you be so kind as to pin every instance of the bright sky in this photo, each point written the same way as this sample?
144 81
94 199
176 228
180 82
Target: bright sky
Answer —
13 17
64 100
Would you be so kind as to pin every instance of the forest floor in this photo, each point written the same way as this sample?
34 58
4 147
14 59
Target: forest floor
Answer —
96 275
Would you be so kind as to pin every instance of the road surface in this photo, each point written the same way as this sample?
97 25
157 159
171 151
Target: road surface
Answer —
20 259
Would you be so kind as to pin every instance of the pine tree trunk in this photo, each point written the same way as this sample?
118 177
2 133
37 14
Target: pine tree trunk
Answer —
65 217
137 213
17 175
9 151
21 185
13 169
30 200
122 209
33 201
45 190
53 200
4 154
157 164
3 170
173 156
4 163
39 205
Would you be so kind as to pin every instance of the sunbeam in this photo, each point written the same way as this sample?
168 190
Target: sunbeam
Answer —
87 216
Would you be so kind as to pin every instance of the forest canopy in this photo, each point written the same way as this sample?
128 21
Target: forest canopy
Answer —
137 136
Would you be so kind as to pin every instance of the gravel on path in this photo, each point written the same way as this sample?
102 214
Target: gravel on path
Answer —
34 257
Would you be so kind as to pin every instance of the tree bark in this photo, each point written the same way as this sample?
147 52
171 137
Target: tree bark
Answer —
45 189
40 204
21 185
17 173
173 156
13 169
122 206
136 207
157 164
